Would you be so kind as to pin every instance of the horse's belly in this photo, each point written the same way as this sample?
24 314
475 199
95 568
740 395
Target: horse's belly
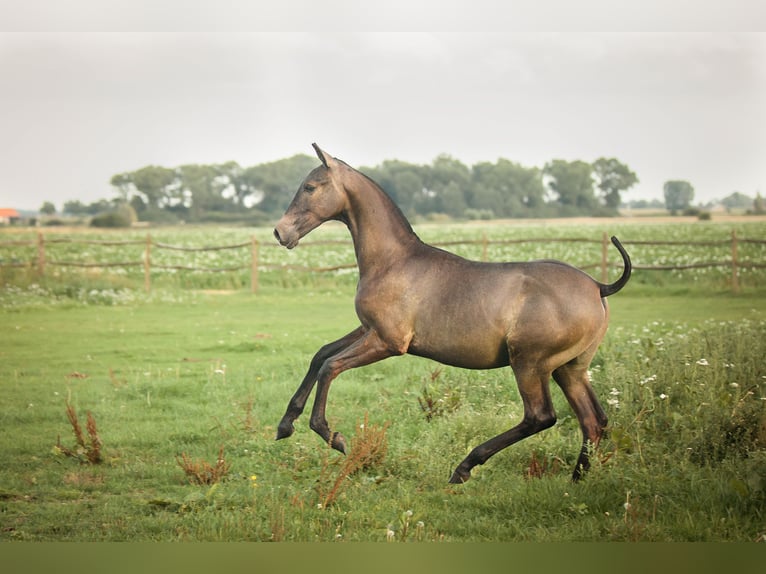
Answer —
466 350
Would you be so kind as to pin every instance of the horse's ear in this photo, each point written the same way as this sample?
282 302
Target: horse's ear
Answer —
325 158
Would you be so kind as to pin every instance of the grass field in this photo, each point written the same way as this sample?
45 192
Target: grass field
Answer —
173 377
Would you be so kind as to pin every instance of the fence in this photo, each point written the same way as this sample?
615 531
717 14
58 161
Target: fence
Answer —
254 265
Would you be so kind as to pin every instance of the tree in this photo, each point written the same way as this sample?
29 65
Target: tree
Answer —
271 186
202 184
236 188
451 200
447 182
572 182
48 208
75 207
737 200
506 188
153 183
403 182
678 195
123 182
759 205
612 178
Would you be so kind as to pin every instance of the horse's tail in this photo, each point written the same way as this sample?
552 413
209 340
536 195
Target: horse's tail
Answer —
612 288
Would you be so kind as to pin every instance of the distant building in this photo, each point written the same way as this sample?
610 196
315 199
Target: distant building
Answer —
9 216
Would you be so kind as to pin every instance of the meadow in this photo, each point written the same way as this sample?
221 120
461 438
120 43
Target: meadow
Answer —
151 417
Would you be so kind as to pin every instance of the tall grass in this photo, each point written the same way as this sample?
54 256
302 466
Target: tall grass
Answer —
177 380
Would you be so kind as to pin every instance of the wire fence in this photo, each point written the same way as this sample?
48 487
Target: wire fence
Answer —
250 257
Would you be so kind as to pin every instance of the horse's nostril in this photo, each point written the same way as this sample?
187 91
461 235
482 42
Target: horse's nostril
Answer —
276 234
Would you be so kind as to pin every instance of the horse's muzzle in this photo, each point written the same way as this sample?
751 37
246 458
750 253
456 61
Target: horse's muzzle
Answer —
284 239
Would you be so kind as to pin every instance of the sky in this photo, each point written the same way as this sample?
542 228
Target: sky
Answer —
82 100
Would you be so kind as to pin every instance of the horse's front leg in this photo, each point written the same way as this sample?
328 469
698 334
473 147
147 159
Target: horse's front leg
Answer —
298 402
366 350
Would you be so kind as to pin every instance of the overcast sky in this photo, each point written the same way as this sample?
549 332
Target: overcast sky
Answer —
78 107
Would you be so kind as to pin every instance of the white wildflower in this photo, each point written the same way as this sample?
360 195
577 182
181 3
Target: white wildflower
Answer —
647 380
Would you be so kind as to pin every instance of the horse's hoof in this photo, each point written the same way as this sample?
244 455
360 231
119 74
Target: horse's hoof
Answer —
459 477
338 442
285 429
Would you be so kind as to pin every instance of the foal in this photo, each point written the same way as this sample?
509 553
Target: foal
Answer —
542 318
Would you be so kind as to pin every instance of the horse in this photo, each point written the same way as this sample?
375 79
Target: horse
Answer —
542 318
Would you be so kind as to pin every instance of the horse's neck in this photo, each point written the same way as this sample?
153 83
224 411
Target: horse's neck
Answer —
379 230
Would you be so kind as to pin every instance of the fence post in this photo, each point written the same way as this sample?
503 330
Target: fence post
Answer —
148 264
604 258
40 253
254 265
734 263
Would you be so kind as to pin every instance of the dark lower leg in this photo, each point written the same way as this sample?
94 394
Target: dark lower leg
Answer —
484 451
298 401
538 415
366 350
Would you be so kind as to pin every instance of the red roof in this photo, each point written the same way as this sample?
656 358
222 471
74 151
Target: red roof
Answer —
8 212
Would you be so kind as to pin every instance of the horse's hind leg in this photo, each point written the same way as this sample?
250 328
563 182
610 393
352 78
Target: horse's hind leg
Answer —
574 381
298 401
538 415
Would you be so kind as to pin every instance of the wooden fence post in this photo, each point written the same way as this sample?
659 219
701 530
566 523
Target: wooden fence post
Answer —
734 262
40 253
604 258
148 264
254 265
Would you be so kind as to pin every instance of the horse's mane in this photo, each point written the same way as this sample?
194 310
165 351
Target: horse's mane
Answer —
387 198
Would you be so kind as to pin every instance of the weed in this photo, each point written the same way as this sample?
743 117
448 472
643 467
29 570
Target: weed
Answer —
368 450
247 421
202 472
637 518
435 404
86 451
538 467
277 523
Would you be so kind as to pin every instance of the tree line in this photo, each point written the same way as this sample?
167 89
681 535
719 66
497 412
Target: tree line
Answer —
486 190
228 192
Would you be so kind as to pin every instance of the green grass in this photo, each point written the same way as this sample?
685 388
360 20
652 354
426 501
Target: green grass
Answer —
186 373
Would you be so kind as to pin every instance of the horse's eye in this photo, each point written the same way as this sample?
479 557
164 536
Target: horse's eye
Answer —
308 188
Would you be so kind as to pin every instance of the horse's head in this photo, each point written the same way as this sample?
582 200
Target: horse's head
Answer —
319 198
